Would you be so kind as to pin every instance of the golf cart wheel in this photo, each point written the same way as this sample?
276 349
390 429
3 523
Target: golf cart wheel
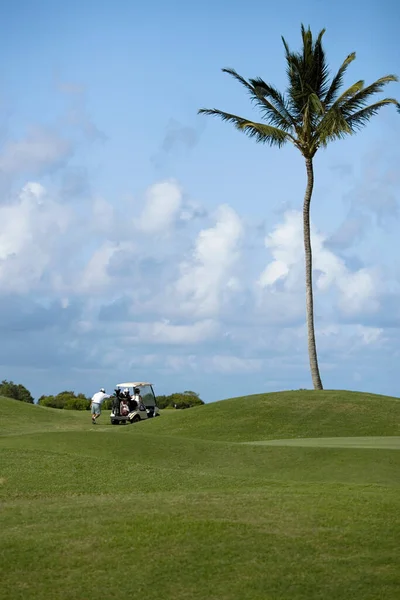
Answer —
114 422
136 419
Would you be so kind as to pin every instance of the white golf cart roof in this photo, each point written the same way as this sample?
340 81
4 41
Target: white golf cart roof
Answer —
133 384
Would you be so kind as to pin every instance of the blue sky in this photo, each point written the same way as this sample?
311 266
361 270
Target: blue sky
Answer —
140 240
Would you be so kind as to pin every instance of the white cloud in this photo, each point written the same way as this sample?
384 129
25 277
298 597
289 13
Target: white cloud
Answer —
165 332
370 335
286 246
208 276
96 276
40 150
163 201
234 364
376 187
127 343
357 290
103 216
29 230
179 363
191 210
346 340
186 304
223 364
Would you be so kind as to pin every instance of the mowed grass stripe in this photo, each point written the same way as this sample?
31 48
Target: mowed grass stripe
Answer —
382 442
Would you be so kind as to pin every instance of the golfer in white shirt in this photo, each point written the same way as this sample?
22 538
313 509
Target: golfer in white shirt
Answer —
95 405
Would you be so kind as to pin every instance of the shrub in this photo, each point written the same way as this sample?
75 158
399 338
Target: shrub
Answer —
46 401
77 404
179 400
66 400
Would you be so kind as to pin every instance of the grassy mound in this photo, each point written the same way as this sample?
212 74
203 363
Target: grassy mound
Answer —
19 417
157 510
278 415
294 414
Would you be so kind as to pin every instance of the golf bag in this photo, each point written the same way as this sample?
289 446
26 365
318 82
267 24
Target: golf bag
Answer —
116 402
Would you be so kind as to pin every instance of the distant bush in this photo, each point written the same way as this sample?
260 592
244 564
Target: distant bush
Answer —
67 400
47 401
9 389
77 404
179 400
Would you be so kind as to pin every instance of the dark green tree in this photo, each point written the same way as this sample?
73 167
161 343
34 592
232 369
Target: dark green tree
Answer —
313 112
9 389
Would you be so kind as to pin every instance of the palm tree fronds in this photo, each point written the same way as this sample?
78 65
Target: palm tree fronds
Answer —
337 81
333 115
286 46
354 89
273 97
360 118
332 126
270 111
238 78
336 125
307 73
263 133
315 109
320 68
274 112
316 104
358 100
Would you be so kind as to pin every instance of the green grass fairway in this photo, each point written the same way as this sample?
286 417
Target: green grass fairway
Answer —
222 502
391 442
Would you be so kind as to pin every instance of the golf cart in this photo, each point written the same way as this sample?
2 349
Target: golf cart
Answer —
133 402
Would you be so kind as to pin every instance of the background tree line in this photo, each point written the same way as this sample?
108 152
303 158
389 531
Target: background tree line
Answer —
68 400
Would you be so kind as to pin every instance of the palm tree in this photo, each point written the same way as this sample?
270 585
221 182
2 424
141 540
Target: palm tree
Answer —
313 112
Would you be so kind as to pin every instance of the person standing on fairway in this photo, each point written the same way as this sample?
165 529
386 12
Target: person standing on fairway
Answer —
95 405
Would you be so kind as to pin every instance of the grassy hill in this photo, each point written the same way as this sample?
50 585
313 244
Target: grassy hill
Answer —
180 508
291 414
20 417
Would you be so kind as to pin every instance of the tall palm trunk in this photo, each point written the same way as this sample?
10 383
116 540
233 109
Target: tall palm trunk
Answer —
312 349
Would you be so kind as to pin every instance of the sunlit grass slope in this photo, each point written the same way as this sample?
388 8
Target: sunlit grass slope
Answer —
286 415
175 509
20 417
